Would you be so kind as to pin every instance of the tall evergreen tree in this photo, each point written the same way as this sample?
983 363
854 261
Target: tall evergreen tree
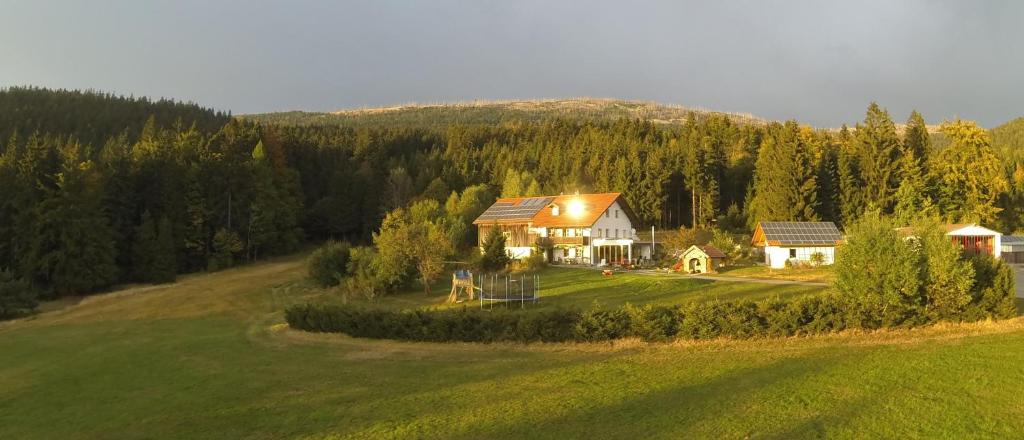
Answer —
785 186
878 150
72 246
153 251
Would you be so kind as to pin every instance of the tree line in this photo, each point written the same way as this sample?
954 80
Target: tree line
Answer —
103 195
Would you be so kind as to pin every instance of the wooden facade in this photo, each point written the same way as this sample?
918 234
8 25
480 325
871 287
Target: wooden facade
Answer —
515 235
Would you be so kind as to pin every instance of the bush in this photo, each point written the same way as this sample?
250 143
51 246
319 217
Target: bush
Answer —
600 325
993 297
993 294
653 323
438 326
17 297
329 264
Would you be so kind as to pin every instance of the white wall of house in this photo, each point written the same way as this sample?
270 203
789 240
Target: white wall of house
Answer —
613 224
518 252
612 228
776 256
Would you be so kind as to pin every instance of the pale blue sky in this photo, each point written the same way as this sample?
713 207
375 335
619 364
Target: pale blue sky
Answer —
819 62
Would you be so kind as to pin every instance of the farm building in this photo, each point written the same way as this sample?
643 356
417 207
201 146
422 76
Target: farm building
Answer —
796 242
702 259
580 228
1012 249
972 238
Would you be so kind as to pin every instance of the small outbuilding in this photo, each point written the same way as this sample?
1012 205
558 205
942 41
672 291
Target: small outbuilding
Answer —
808 243
702 259
1012 249
973 239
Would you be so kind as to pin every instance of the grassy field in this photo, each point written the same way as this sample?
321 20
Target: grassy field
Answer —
822 274
583 288
207 358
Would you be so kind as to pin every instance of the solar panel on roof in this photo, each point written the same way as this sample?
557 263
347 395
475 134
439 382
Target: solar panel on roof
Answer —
801 233
524 210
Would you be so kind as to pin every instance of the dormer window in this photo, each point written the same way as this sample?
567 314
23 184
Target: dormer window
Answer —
554 209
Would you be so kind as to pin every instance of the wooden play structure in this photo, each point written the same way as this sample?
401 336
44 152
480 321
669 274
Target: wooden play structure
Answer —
462 285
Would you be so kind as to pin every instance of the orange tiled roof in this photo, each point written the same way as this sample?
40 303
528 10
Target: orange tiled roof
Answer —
594 205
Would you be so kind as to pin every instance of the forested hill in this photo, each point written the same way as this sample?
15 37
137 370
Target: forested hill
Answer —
1008 139
98 189
93 117
499 113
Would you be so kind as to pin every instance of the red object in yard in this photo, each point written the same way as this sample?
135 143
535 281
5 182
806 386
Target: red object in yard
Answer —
607 272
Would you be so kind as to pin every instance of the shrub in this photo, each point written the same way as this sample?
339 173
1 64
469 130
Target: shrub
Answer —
534 262
880 270
599 325
653 323
17 297
438 326
817 259
329 264
993 294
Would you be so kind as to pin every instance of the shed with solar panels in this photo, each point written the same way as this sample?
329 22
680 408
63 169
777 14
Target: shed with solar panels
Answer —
797 242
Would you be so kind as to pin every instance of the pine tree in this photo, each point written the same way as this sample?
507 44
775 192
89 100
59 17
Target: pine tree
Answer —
226 246
851 188
878 151
71 244
828 184
785 186
494 257
153 251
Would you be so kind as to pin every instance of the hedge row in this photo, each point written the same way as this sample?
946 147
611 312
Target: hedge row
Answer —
802 316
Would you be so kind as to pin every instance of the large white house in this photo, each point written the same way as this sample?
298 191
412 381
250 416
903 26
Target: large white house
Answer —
796 242
581 228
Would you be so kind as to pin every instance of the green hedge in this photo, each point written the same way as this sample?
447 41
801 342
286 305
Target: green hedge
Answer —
826 313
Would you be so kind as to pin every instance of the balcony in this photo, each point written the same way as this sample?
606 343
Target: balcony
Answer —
577 241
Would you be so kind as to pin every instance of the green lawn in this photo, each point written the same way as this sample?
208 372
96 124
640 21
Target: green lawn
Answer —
207 358
823 274
582 288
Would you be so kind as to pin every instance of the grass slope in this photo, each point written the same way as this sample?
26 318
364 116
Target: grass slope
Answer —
203 359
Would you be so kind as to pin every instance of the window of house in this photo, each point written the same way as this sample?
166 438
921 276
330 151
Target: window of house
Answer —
571 232
792 253
606 234
598 233
616 233
616 213
606 214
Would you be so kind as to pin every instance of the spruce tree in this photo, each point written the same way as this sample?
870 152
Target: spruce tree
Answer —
878 150
71 244
494 257
851 187
153 251
785 186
